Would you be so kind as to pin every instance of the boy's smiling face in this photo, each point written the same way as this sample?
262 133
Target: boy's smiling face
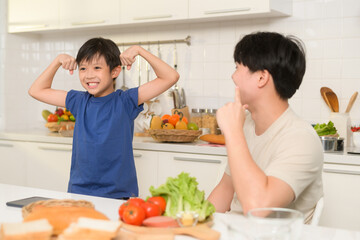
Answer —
96 77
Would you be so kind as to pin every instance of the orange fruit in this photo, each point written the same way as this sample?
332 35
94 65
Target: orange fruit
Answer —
185 120
181 125
165 116
174 119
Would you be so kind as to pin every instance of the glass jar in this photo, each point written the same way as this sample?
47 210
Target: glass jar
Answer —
209 120
196 116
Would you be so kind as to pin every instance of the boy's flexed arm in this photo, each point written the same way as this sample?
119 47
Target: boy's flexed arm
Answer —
41 88
166 75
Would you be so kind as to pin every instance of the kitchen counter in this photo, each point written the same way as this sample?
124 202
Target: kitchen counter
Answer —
147 143
141 143
110 208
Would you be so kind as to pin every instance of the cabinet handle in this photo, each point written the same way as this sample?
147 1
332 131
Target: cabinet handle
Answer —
40 26
197 160
6 145
137 155
66 149
244 9
87 23
152 17
341 171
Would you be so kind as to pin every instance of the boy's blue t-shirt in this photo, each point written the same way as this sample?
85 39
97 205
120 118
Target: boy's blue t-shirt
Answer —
102 156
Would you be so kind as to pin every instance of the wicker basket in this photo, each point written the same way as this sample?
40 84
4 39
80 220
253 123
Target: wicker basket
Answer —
56 202
174 135
55 126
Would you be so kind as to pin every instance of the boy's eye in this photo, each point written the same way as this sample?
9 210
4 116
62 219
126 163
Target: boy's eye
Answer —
82 69
97 67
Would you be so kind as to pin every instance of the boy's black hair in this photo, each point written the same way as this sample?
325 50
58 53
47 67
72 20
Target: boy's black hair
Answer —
97 47
283 57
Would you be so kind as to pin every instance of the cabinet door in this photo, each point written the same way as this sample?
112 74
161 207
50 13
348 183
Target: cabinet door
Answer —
88 13
341 197
208 169
138 11
34 15
49 165
12 163
208 9
146 163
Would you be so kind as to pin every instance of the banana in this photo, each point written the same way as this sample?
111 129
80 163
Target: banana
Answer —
45 114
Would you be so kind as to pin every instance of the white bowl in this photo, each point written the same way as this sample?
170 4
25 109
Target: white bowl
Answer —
356 139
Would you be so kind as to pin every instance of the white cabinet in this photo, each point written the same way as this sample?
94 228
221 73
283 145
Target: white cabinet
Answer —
48 165
208 169
231 8
341 196
40 15
12 163
146 163
87 13
34 15
138 11
33 164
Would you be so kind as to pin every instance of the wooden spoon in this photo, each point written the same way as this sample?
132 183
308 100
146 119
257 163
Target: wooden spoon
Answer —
333 100
351 102
323 92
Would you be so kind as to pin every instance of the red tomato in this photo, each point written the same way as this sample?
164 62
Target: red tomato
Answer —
151 209
121 209
135 201
52 118
134 215
160 201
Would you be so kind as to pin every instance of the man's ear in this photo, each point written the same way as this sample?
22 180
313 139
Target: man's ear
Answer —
116 71
264 77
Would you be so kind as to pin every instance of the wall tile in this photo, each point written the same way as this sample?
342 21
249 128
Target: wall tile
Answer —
333 9
351 8
351 48
333 48
351 27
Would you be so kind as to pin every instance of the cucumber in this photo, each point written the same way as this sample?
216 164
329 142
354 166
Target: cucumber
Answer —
45 114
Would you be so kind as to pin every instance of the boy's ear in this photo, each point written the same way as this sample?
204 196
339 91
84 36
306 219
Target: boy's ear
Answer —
264 78
116 71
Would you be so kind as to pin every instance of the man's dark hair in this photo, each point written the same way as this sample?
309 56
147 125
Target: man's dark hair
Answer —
282 56
97 47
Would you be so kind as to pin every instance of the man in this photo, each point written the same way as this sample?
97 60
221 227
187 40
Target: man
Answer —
274 158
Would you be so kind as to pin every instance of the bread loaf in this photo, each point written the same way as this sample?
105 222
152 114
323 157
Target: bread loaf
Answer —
60 217
213 138
91 229
32 230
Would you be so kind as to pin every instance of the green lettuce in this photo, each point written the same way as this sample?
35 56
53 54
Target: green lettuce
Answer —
325 129
182 194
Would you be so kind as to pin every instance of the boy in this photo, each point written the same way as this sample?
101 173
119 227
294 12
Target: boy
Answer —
274 157
102 158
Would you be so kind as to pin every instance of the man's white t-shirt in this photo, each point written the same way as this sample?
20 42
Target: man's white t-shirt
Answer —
289 150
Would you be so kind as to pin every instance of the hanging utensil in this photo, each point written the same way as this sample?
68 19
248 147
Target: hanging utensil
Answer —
148 67
175 91
183 98
139 69
123 87
351 102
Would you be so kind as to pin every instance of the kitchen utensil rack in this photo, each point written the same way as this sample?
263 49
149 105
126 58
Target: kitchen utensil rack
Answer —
186 40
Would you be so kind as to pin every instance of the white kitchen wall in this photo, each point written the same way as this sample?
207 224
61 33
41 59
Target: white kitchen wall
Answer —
330 30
